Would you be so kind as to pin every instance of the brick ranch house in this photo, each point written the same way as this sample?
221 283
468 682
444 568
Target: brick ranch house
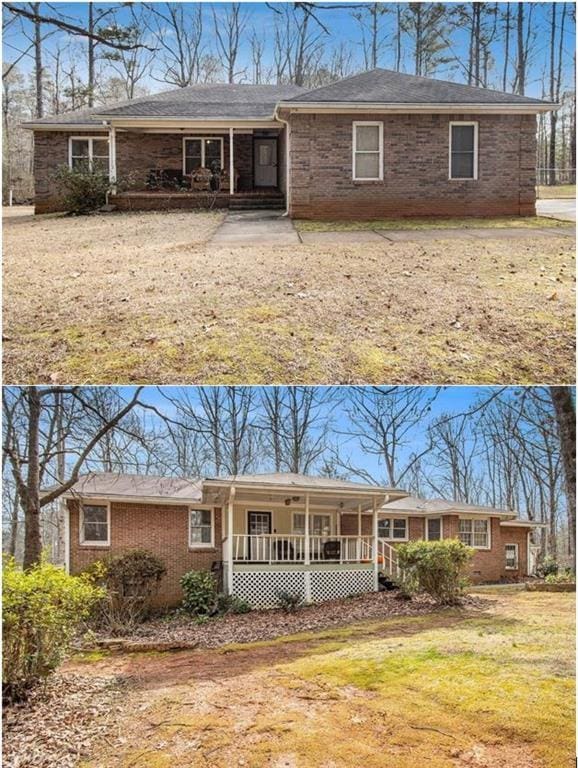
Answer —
374 145
321 537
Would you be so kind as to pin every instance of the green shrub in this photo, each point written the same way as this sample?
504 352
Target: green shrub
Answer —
43 608
436 567
548 567
562 577
83 190
289 601
231 604
199 593
130 581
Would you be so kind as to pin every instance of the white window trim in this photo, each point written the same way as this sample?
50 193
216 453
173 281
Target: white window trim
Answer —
440 518
90 140
202 139
488 521
357 123
311 516
512 567
202 544
85 542
464 178
391 519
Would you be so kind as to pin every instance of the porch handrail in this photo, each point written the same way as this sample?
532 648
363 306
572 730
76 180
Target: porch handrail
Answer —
290 548
387 559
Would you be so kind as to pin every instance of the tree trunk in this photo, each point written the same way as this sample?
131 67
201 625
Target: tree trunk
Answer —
398 40
38 71
32 537
521 63
90 56
14 524
553 118
566 418
506 48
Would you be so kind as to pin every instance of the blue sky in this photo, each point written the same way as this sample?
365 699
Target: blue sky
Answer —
343 29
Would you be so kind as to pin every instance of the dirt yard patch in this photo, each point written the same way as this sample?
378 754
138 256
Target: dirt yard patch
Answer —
454 689
142 297
470 222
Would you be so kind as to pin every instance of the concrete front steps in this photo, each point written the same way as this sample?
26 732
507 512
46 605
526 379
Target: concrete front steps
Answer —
253 202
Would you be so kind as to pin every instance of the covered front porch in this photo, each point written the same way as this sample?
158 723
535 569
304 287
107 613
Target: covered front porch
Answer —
209 164
319 542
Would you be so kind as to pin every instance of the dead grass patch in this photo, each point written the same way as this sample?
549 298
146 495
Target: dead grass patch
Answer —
142 298
417 223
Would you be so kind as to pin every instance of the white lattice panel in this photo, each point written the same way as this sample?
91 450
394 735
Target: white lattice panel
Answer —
329 585
260 588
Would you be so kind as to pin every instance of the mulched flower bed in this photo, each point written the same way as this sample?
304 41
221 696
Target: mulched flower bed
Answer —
59 722
183 631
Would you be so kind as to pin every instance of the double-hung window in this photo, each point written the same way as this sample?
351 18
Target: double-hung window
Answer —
475 533
463 151
201 528
319 525
206 152
367 151
392 528
433 528
95 525
89 152
511 557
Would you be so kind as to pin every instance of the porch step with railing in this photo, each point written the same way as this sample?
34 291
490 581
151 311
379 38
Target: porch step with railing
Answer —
387 558
257 202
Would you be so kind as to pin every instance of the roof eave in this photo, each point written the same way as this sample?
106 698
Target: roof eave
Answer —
440 108
63 126
288 488
126 498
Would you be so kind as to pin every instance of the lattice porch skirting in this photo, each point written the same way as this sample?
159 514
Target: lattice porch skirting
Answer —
261 588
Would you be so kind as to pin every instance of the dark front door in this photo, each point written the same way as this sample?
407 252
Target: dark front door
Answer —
259 527
265 157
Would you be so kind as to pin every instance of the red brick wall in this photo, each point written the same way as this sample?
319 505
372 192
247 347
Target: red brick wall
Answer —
50 152
136 154
416 165
162 529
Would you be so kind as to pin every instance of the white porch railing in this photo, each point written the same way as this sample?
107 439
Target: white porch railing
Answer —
291 548
387 559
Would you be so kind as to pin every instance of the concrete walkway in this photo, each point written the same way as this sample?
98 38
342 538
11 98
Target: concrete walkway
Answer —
263 227
564 209
427 235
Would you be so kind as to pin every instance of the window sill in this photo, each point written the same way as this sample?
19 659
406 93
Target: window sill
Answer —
452 179
95 544
203 548
368 182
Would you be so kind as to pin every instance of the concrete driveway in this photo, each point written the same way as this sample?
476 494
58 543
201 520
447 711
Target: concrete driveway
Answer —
265 227
557 209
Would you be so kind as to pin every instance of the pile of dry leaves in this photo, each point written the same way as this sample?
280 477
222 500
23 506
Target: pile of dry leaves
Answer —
267 625
60 721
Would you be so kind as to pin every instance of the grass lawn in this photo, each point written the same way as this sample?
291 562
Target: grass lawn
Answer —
504 222
144 297
560 190
491 689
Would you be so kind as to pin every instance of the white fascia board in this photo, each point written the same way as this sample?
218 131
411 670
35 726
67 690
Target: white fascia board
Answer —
353 107
132 499
68 127
271 488
120 121
522 524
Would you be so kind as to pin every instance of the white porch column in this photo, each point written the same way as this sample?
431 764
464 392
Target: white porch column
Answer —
231 164
307 577
359 532
375 552
112 154
230 540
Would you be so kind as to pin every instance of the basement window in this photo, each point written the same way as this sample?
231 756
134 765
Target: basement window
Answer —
463 151
511 557
95 525
367 151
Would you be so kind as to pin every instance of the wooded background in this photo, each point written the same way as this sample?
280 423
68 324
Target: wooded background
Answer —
54 63
511 448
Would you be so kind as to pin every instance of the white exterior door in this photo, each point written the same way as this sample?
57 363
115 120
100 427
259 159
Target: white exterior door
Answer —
265 162
259 528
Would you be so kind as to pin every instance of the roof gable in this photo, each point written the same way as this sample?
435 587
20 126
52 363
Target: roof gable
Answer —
384 86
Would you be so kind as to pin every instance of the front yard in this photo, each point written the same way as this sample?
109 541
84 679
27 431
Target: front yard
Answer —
143 297
488 686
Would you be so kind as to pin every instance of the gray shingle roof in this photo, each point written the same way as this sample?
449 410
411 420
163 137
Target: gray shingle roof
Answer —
210 101
112 484
285 479
384 86
440 506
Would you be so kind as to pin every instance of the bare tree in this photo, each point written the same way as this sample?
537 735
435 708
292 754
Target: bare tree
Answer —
371 18
229 27
33 447
426 25
178 32
132 65
565 409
